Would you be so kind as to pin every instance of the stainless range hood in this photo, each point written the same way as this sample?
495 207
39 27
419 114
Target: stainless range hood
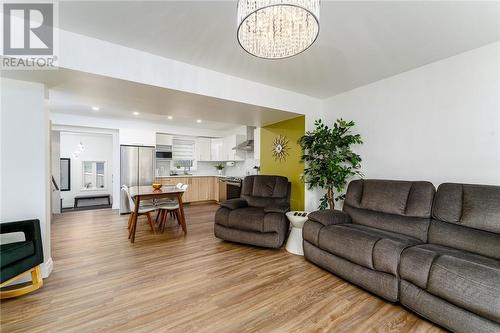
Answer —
247 145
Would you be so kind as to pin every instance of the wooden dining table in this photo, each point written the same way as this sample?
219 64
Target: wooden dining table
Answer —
139 193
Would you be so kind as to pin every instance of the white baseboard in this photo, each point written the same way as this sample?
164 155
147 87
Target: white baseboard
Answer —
47 268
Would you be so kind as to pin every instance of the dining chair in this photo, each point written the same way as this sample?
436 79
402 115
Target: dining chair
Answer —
171 207
147 202
164 201
143 210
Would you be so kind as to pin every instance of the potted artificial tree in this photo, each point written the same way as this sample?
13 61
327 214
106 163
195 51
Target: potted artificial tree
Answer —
330 161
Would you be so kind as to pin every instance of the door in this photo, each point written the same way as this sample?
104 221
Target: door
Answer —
129 161
146 165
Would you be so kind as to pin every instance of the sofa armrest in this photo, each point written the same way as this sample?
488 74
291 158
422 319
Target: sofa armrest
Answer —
233 204
329 217
281 208
31 230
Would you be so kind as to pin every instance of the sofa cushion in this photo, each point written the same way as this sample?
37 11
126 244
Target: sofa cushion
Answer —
385 196
438 310
12 252
474 206
233 204
467 239
261 191
465 279
405 198
415 227
398 206
365 246
248 218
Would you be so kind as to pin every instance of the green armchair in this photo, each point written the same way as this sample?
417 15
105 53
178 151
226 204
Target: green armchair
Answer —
22 257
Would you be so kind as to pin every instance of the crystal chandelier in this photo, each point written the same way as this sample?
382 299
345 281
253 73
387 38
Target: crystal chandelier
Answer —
276 29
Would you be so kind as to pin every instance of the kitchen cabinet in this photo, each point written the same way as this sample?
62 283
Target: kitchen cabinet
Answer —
216 150
200 188
204 149
164 139
216 153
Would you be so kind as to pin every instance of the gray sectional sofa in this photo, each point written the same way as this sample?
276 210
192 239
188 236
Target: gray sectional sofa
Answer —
437 253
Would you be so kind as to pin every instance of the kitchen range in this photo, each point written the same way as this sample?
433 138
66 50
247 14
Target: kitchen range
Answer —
229 188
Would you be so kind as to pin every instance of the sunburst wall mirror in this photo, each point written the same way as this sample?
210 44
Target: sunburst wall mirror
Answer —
280 148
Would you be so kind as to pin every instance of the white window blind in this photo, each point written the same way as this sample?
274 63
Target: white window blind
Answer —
183 149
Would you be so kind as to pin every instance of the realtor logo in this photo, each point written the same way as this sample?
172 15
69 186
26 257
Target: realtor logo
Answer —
28 29
30 37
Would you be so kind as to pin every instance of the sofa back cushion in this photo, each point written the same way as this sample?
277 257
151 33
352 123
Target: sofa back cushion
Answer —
393 205
261 191
467 217
474 206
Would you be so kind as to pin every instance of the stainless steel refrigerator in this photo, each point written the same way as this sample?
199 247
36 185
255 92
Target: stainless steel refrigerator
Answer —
136 169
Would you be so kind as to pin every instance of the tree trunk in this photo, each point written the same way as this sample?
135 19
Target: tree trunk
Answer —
331 199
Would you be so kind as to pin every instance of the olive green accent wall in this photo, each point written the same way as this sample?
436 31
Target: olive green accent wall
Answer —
291 168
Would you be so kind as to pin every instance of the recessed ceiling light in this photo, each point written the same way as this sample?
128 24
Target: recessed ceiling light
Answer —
95 108
135 113
170 117
198 121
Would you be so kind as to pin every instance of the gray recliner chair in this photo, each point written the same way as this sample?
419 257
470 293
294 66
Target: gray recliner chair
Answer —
258 216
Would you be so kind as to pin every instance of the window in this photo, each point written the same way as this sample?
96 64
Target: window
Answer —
94 175
183 149
183 153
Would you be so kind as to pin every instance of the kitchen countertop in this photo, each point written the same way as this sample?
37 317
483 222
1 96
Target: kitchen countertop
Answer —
185 176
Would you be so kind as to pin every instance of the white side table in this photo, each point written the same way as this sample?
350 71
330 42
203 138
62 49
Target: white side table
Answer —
294 242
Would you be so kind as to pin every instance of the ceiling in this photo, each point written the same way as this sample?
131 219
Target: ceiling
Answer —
359 42
74 92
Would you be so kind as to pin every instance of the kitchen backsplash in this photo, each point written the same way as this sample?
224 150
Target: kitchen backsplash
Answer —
239 169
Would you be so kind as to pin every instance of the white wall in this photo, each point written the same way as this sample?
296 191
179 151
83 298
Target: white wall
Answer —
25 176
439 122
97 147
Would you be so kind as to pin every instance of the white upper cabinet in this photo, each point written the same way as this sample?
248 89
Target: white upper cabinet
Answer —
204 149
216 153
220 149
164 139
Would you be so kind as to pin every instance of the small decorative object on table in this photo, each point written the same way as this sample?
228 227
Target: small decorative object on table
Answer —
156 186
219 167
294 242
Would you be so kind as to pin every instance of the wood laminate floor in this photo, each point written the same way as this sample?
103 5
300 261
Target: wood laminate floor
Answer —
195 283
